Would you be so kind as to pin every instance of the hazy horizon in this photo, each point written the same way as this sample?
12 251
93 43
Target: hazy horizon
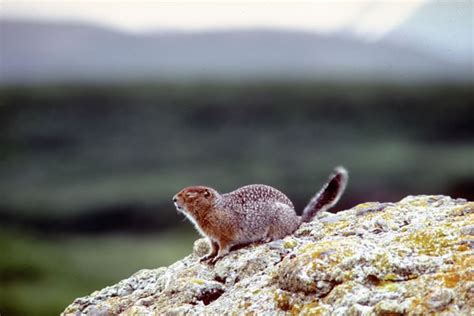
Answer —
443 29
364 17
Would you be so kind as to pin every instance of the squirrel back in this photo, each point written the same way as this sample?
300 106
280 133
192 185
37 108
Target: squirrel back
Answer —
328 196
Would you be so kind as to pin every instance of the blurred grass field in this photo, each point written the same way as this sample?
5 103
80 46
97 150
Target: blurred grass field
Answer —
42 275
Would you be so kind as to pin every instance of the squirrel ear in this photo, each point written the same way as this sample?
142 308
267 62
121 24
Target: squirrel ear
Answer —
191 194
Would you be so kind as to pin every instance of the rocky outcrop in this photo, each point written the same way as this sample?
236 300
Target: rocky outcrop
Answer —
411 257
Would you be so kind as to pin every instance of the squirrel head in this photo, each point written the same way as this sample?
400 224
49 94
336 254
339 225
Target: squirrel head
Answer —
195 201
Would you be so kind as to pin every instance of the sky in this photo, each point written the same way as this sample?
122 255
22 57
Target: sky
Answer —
367 18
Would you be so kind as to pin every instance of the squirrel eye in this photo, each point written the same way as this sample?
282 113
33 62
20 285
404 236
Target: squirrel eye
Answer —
207 193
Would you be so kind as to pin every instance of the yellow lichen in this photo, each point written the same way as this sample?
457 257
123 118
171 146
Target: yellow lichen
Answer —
330 228
312 309
431 241
451 279
390 277
289 243
382 262
463 247
392 287
364 205
198 281
295 310
348 275
245 304
459 272
416 305
418 203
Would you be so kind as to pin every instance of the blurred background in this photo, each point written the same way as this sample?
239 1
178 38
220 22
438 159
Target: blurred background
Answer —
107 109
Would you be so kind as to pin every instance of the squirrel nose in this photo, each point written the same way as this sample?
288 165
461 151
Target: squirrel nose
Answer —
175 199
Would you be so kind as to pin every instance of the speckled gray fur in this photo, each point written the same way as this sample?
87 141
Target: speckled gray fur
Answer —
264 213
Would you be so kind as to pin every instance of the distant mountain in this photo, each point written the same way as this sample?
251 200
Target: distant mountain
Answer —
41 52
442 28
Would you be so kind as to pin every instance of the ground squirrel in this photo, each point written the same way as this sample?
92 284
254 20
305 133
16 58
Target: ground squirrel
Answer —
251 213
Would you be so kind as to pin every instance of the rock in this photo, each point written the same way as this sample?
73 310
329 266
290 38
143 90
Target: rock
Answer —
411 257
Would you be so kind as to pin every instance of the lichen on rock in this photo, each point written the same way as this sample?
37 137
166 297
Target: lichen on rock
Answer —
412 257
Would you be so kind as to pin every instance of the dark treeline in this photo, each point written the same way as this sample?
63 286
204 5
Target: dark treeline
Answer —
79 154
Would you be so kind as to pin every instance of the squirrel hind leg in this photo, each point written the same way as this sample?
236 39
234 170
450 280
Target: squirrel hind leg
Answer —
284 224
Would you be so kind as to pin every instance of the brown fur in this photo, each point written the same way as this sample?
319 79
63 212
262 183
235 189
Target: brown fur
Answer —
198 202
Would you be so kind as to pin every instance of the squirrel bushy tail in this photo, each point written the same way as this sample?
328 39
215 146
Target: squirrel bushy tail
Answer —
328 196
